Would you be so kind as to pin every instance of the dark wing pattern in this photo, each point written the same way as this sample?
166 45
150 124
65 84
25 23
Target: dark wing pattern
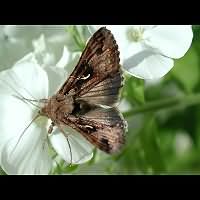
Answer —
104 93
104 128
96 80
98 71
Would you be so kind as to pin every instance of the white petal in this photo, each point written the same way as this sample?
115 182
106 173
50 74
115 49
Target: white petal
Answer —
82 150
15 116
92 29
120 35
27 58
42 53
73 60
171 40
26 78
57 76
2 34
64 59
54 31
12 50
15 43
22 31
39 44
127 48
56 42
124 105
148 65
49 46
147 27
28 156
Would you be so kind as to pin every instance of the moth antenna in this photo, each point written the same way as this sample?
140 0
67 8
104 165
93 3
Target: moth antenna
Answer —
70 149
20 95
66 135
33 100
17 83
27 100
22 134
28 92
11 87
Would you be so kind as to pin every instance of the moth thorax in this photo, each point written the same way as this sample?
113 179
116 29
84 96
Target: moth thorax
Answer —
57 105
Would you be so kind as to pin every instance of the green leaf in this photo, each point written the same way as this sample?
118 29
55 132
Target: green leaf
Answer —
2 172
134 90
69 169
186 71
196 32
197 127
84 34
150 144
187 164
78 35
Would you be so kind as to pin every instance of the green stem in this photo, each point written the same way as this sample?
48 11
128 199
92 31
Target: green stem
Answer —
193 99
78 38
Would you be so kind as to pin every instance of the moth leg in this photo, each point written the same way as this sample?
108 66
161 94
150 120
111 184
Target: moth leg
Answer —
51 127
49 132
70 149
65 134
44 142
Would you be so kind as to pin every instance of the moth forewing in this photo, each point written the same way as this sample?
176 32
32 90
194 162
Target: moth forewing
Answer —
95 82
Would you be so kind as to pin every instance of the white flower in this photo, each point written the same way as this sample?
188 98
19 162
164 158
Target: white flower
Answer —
28 153
148 51
17 40
182 143
46 56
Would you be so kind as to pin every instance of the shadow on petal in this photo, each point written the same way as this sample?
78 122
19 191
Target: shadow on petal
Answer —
136 59
148 65
82 150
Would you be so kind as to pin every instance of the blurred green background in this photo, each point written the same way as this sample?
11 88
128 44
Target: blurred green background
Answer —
164 124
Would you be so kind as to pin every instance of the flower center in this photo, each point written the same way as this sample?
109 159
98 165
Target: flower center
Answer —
135 34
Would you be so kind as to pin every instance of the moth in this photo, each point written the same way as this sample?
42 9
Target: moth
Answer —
87 100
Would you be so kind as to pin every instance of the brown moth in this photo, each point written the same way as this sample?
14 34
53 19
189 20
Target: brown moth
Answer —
86 101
